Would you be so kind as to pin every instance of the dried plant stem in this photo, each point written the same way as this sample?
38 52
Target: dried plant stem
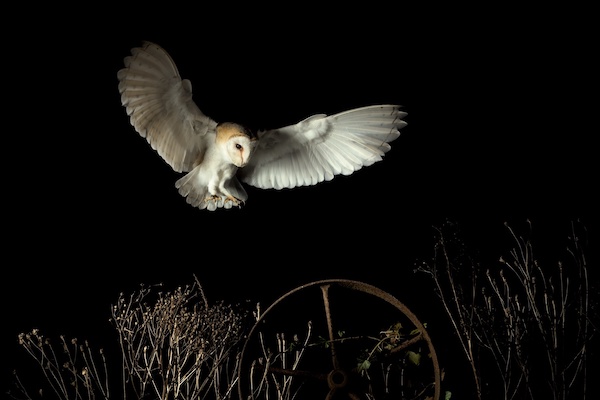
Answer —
521 309
72 373
453 303
174 345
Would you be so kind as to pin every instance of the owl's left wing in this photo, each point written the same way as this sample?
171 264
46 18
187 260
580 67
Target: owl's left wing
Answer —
321 147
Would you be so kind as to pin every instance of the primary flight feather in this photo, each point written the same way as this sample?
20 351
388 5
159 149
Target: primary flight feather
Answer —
218 157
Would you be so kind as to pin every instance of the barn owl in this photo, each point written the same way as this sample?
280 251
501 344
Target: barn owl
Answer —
219 157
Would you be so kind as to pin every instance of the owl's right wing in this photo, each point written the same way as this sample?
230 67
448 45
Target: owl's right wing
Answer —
160 107
321 147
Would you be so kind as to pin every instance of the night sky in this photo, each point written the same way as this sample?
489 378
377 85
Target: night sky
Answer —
498 131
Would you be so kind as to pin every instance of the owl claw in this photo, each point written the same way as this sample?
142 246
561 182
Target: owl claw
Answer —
235 201
212 202
213 197
226 202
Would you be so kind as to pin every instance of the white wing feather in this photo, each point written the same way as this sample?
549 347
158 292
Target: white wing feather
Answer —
321 147
160 106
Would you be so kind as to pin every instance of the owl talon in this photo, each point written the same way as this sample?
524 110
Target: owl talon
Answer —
227 202
211 198
235 201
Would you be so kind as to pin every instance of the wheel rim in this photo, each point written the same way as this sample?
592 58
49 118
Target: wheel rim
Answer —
340 381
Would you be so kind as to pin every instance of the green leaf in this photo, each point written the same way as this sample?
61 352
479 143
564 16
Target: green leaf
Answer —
363 366
413 357
321 340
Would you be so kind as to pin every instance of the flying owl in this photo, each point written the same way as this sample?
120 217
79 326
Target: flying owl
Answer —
218 157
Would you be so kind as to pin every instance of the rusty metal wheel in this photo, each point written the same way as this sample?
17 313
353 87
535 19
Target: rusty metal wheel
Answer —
338 339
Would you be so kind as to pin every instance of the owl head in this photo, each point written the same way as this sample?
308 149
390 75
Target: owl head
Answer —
237 141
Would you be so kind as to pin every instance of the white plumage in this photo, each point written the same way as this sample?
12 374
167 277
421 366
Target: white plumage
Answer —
217 156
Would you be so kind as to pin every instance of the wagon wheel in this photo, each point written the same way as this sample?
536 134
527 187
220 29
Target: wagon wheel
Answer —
338 339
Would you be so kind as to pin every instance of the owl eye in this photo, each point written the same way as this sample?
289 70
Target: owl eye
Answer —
238 146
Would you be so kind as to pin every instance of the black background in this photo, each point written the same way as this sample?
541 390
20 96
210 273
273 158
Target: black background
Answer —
499 102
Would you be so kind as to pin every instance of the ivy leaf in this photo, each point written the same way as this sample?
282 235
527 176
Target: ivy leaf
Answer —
321 340
413 357
363 366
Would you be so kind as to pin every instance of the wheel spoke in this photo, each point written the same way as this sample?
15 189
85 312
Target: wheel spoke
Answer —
375 349
325 291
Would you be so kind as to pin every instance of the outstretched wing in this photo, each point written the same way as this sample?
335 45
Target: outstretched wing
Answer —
321 147
160 107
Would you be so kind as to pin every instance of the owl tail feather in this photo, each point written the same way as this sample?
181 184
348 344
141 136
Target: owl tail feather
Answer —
190 187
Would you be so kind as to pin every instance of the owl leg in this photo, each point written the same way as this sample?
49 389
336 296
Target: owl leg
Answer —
214 197
223 200
229 200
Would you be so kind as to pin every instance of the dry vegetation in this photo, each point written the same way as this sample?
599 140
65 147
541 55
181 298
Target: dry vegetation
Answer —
532 321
